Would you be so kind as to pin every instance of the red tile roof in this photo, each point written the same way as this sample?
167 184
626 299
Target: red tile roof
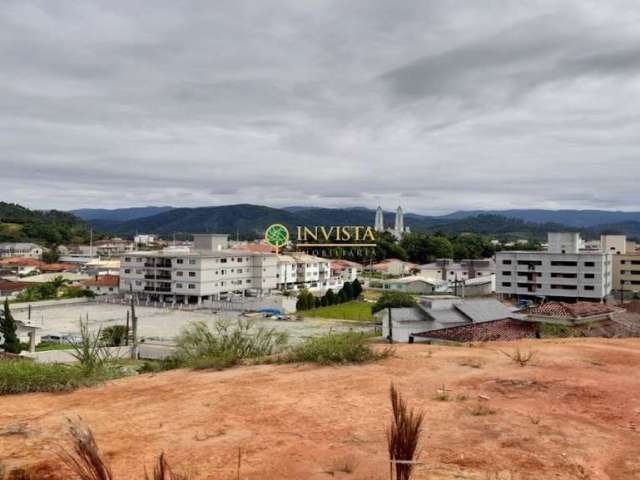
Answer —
8 286
103 281
254 247
570 310
39 264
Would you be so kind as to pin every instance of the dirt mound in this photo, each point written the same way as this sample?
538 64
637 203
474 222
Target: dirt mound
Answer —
572 413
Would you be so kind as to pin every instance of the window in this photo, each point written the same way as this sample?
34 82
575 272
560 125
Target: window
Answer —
128 259
564 287
239 270
180 261
530 262
506 284
564 275
192 286
563 263
589 275
589 264
127 270
138 282
192 274
179 274
248 281
192 261
589 287
178 285
505 262
223 260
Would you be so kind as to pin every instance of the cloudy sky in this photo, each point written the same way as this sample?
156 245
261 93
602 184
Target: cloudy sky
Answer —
435 105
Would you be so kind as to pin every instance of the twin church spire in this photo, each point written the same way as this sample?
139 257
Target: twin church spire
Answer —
398 229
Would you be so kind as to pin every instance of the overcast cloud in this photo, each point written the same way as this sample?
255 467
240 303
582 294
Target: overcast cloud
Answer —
435 105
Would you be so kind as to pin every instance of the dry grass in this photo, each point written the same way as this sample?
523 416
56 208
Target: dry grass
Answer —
403 436
87 462
481 410
520 357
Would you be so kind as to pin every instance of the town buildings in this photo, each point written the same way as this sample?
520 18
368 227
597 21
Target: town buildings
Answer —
20 249
211 270
447 269
563 271
626 262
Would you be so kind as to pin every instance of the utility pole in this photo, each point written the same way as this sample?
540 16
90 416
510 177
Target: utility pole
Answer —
134 327
126 337
390 327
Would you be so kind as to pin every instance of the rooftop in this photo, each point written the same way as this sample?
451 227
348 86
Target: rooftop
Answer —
570 310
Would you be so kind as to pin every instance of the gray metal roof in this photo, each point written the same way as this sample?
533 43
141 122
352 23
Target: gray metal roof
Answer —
483 309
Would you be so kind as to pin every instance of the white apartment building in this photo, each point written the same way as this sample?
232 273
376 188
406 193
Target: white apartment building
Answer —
563 271
301 270
208 271
20 249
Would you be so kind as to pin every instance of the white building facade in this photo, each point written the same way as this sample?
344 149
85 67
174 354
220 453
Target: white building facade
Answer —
209 271
562 271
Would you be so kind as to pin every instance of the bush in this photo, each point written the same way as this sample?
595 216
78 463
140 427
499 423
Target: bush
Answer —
335 348
22 376
393 300
115 335
199 346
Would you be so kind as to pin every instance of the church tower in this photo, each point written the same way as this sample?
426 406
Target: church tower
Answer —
399 227
379 223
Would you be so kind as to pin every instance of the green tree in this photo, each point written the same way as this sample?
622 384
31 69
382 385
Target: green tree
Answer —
331 297
356 286
8 328
51 255
348 291
393 300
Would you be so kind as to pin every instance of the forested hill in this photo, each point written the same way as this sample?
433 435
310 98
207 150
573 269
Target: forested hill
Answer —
53 227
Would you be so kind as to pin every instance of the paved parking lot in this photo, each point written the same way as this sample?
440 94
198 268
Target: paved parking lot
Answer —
157 324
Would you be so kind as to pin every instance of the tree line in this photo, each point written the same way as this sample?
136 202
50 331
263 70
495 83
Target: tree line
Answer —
349 291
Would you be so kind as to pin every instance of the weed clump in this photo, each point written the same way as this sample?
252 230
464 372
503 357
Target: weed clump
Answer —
335 349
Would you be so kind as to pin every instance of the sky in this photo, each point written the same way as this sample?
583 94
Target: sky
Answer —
433 105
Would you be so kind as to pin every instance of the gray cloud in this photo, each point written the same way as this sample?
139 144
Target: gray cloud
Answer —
438 105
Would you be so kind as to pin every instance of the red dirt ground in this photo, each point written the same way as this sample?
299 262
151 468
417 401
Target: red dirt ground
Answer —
572 413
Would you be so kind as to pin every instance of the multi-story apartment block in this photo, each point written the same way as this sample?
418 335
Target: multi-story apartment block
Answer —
626 262
563 271
208 271
301 270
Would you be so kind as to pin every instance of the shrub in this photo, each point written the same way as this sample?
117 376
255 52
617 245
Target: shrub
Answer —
22 376
520 357
357 288
335 348
115 335
201 347
89 350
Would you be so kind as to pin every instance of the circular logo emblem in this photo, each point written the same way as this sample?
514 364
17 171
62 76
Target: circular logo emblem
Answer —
277 235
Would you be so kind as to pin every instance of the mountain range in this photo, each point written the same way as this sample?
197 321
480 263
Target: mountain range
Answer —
251 220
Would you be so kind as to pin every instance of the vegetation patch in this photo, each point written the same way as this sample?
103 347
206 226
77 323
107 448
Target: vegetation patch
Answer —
335 349
354 310
23 376
226 344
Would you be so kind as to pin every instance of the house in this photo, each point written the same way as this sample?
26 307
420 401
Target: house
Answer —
435 317
103 284
447 269
415 285
345 270
20 249
144 239
26 266
562 272
113 247
393 266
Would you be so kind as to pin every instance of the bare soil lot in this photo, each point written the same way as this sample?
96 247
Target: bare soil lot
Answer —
572 413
